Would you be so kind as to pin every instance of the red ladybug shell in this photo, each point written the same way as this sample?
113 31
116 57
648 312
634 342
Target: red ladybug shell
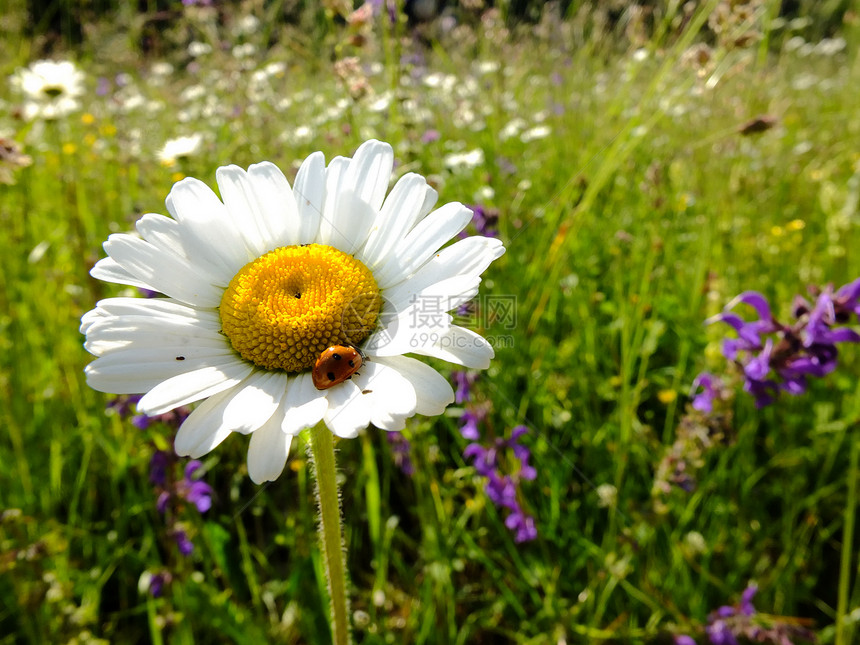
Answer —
335 365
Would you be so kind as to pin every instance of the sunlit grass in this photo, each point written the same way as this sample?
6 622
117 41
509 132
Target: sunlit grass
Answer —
642 213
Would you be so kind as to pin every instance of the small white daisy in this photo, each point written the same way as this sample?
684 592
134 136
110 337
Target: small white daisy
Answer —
259 286
179 148
464 160
51 88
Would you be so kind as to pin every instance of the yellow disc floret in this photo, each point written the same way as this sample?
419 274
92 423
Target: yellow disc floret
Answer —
282 310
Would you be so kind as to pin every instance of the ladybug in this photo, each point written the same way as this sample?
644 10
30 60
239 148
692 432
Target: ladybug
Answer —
335 365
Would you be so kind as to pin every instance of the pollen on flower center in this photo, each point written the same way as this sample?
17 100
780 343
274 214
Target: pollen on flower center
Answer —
284 308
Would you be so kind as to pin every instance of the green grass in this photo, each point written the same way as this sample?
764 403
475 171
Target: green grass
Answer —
643 213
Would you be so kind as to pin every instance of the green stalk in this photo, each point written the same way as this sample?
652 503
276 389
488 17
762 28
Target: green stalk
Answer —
847 542
330 532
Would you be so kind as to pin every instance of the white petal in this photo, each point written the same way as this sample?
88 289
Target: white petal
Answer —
182 340
469 257
330 228
238 193
462 347
304 405
278 209
201 431
158 308
163 271
422 242
109 270
192 386
401 210
135 371
244 408
409 331
370 172
268 450
430 300
207 224
389 394
434 392
161 231
309 191
169 236
352 220
348 410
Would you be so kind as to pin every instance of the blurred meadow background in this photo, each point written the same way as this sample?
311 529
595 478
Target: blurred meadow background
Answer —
643 163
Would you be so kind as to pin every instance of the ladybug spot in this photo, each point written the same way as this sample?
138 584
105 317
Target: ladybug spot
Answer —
336 357
330 376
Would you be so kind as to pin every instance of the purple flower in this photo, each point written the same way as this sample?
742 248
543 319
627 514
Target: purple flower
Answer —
193 490
141 421
523 525
400 448
470 420
157 582
124 404
162 501
762 391
755 300
790 352
430 136
186 546
463 380
501 487
746 607
683 639
103 86
485 220
720 633
729 623
158 467
847 301
704 400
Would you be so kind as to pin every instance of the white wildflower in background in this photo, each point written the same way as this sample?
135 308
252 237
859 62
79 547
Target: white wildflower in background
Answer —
260 286
174 150
464 160
512 128
535 133
51 88
197 49
607 495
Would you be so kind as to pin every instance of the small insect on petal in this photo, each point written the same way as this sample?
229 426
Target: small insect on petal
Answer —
335 365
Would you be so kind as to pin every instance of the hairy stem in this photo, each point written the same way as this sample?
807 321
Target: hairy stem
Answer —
330 532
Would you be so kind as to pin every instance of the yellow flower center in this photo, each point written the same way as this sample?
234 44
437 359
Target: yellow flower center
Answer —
284 308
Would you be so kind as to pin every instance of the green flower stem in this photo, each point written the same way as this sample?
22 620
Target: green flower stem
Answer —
842 635
330 531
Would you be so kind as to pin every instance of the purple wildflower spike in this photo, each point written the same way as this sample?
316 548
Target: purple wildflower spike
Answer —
470 420
704 400
778 357
193 490
755 300
186 546
746 606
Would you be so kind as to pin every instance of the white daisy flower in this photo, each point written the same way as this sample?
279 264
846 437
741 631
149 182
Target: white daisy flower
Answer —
179 148
259 288
461 160
51 88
